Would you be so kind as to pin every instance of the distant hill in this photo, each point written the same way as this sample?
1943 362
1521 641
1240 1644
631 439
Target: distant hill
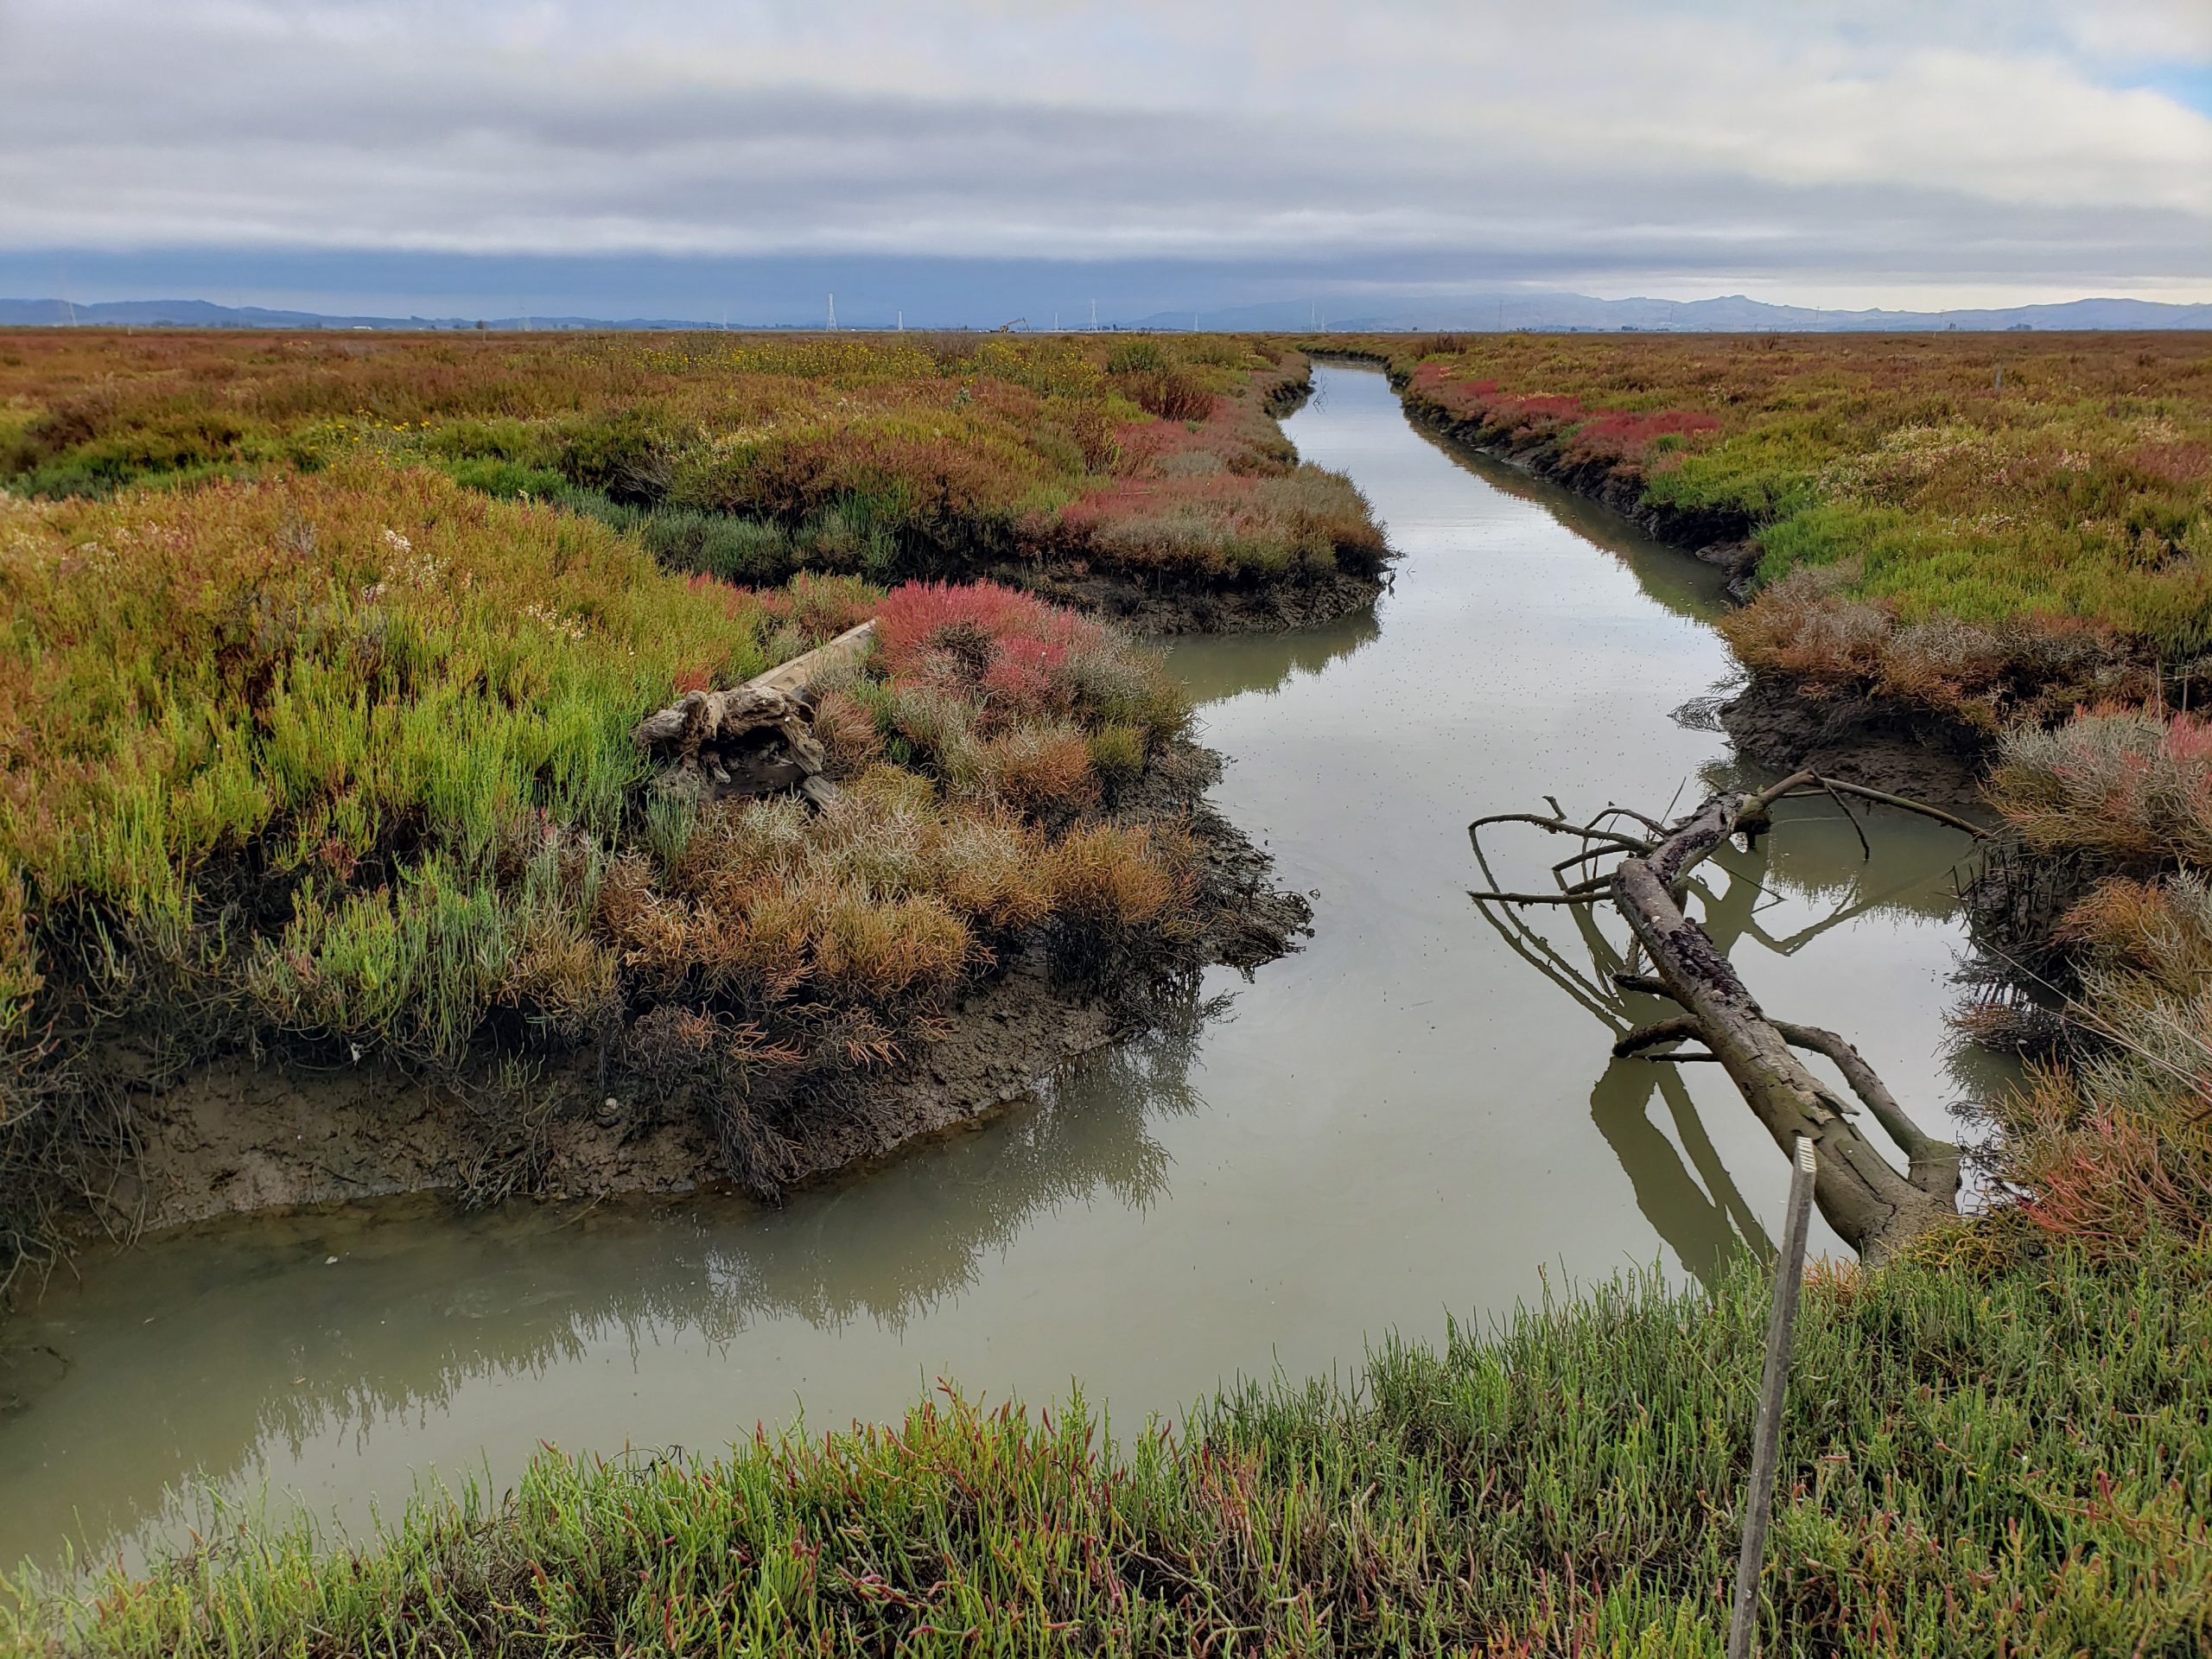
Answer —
201 314
1733 314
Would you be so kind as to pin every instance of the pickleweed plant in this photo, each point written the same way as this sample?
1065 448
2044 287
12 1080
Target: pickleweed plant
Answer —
342 763
745 458
1994 546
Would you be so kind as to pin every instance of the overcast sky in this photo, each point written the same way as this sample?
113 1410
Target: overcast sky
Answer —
444 155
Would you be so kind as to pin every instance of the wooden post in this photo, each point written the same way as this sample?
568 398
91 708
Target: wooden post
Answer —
1766 1444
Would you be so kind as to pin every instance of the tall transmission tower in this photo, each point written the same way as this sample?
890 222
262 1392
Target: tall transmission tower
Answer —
832 313
1094 316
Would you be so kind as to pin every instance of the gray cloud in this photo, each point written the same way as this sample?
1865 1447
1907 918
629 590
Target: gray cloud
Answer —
1866 145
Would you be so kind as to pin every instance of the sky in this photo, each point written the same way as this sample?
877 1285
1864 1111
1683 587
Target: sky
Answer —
951 159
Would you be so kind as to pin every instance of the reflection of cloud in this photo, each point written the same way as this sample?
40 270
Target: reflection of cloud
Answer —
1683 584
283 1350
1975 138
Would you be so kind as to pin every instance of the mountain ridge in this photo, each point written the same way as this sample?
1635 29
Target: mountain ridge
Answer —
1519 312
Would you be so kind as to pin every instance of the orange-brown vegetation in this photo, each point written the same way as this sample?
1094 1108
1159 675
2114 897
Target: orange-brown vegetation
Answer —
746 456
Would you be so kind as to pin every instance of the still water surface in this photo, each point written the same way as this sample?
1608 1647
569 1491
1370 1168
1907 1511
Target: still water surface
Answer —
1413 1116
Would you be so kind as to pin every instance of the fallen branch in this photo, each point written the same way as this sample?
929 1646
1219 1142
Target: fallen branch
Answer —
1934 1164
758 737
1873 1206
1536 898
1922 807
1806 783
1559 826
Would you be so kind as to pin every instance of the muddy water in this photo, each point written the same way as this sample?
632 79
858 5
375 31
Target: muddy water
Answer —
1414 1116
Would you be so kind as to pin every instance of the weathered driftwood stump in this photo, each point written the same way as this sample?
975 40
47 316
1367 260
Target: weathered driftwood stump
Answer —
1873 1206
758 738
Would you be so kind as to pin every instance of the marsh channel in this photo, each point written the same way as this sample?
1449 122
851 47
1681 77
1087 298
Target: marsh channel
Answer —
1406 1120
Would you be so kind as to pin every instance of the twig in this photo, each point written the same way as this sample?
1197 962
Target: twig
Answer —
1865 851
1558 825
1652 824
1590 898
1904 803
1676 1028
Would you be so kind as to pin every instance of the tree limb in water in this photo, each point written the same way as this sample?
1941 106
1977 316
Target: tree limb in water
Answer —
1874 1207
1591 896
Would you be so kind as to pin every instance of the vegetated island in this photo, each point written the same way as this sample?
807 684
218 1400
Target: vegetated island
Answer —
331 862
1998 1441
1144 479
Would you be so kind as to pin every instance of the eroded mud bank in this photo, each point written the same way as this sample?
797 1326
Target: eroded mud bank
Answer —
239 1135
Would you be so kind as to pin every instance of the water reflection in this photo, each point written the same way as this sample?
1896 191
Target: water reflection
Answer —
1230 666
1685 586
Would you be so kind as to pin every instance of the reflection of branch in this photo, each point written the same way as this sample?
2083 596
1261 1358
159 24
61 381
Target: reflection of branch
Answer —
1534 949
1701 1215
1850 910
1700 1228
1705 1158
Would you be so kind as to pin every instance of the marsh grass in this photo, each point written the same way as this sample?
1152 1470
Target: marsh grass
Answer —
744 458
1976 1460
2110 1143
342 764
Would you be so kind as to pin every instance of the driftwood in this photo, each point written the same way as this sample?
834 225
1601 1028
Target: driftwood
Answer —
757 738
1871 1205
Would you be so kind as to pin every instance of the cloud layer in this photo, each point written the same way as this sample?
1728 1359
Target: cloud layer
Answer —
1874 146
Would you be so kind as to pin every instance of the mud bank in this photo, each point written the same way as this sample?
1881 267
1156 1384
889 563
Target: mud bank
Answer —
1163 611
1775 724
237 1135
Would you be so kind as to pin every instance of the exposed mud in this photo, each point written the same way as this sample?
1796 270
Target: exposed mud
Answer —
237 1135
1145 609
1774 724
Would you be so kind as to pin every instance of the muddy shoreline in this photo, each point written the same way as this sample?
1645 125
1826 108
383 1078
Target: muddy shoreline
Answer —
239 1135
1143 609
